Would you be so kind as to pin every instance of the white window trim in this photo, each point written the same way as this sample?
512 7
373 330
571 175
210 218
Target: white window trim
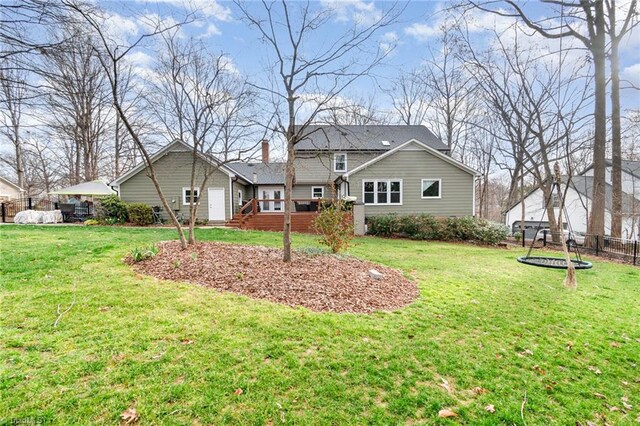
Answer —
375 192
321 190
184 195
439 189
345 162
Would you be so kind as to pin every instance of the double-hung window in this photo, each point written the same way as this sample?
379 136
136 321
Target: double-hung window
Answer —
317 192
431 188
186 196
340 162
382 191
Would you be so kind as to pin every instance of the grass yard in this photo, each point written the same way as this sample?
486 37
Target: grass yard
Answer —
177 353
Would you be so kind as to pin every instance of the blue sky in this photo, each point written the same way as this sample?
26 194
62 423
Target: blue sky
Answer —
413 35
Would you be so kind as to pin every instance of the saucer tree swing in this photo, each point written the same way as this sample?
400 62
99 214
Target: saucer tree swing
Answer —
565 262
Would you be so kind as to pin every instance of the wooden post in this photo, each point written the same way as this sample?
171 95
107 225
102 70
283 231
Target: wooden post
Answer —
4 213
635 252
544 238
30 203
254 207
524 233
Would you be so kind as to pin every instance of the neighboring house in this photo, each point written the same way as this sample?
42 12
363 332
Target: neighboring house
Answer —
578 205
630 176
391 169
9 190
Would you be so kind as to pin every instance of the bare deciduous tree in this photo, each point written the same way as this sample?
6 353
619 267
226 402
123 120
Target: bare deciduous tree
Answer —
199 100
616 34
77 95
299 67
111 55
567 20
13 93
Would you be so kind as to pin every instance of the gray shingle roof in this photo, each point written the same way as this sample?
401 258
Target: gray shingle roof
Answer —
584 186
266 173
366 138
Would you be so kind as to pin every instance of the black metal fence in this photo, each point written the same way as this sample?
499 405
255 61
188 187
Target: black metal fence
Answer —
8 209
70 212
598 245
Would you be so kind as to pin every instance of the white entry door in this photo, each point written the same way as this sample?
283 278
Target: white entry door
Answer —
216 204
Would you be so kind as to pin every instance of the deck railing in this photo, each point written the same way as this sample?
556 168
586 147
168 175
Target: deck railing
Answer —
276 205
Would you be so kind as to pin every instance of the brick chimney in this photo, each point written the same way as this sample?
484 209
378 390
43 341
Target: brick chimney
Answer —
265 151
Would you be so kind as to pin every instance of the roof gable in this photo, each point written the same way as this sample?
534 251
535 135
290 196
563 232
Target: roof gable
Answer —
11 184
416 144
175 146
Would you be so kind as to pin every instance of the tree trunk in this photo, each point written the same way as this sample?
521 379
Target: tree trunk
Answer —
19 158
597 219
289 172
616 137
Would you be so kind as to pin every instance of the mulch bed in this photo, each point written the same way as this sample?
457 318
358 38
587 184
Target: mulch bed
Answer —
320 282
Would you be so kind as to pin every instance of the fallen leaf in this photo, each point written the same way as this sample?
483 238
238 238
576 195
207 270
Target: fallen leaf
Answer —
638 419
615 344
445 384
599 395
129 416
525 353
479 391
539 370
238 392
591 423
625 399
446 413
186 341
595 370
612 408
498 356
490 408
569 345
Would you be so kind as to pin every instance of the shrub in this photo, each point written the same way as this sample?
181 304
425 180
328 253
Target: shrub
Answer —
112 210
139 254
335 226
383 226
427 227
140 214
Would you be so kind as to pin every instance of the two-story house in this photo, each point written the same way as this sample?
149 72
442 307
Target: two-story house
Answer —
388 168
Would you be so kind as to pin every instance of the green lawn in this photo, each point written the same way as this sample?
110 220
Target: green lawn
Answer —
482 320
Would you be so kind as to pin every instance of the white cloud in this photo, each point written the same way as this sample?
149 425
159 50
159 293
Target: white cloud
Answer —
119 28
421 32
389 41
361 12
631 74
212 30
208 8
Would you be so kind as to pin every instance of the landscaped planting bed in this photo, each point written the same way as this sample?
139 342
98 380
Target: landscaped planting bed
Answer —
318 281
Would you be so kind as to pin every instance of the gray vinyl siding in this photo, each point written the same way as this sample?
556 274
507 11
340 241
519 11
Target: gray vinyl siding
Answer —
173 171
247 194
413 166
317 167
304 191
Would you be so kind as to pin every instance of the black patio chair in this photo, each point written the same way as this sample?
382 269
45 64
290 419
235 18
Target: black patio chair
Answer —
157 215
68 211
